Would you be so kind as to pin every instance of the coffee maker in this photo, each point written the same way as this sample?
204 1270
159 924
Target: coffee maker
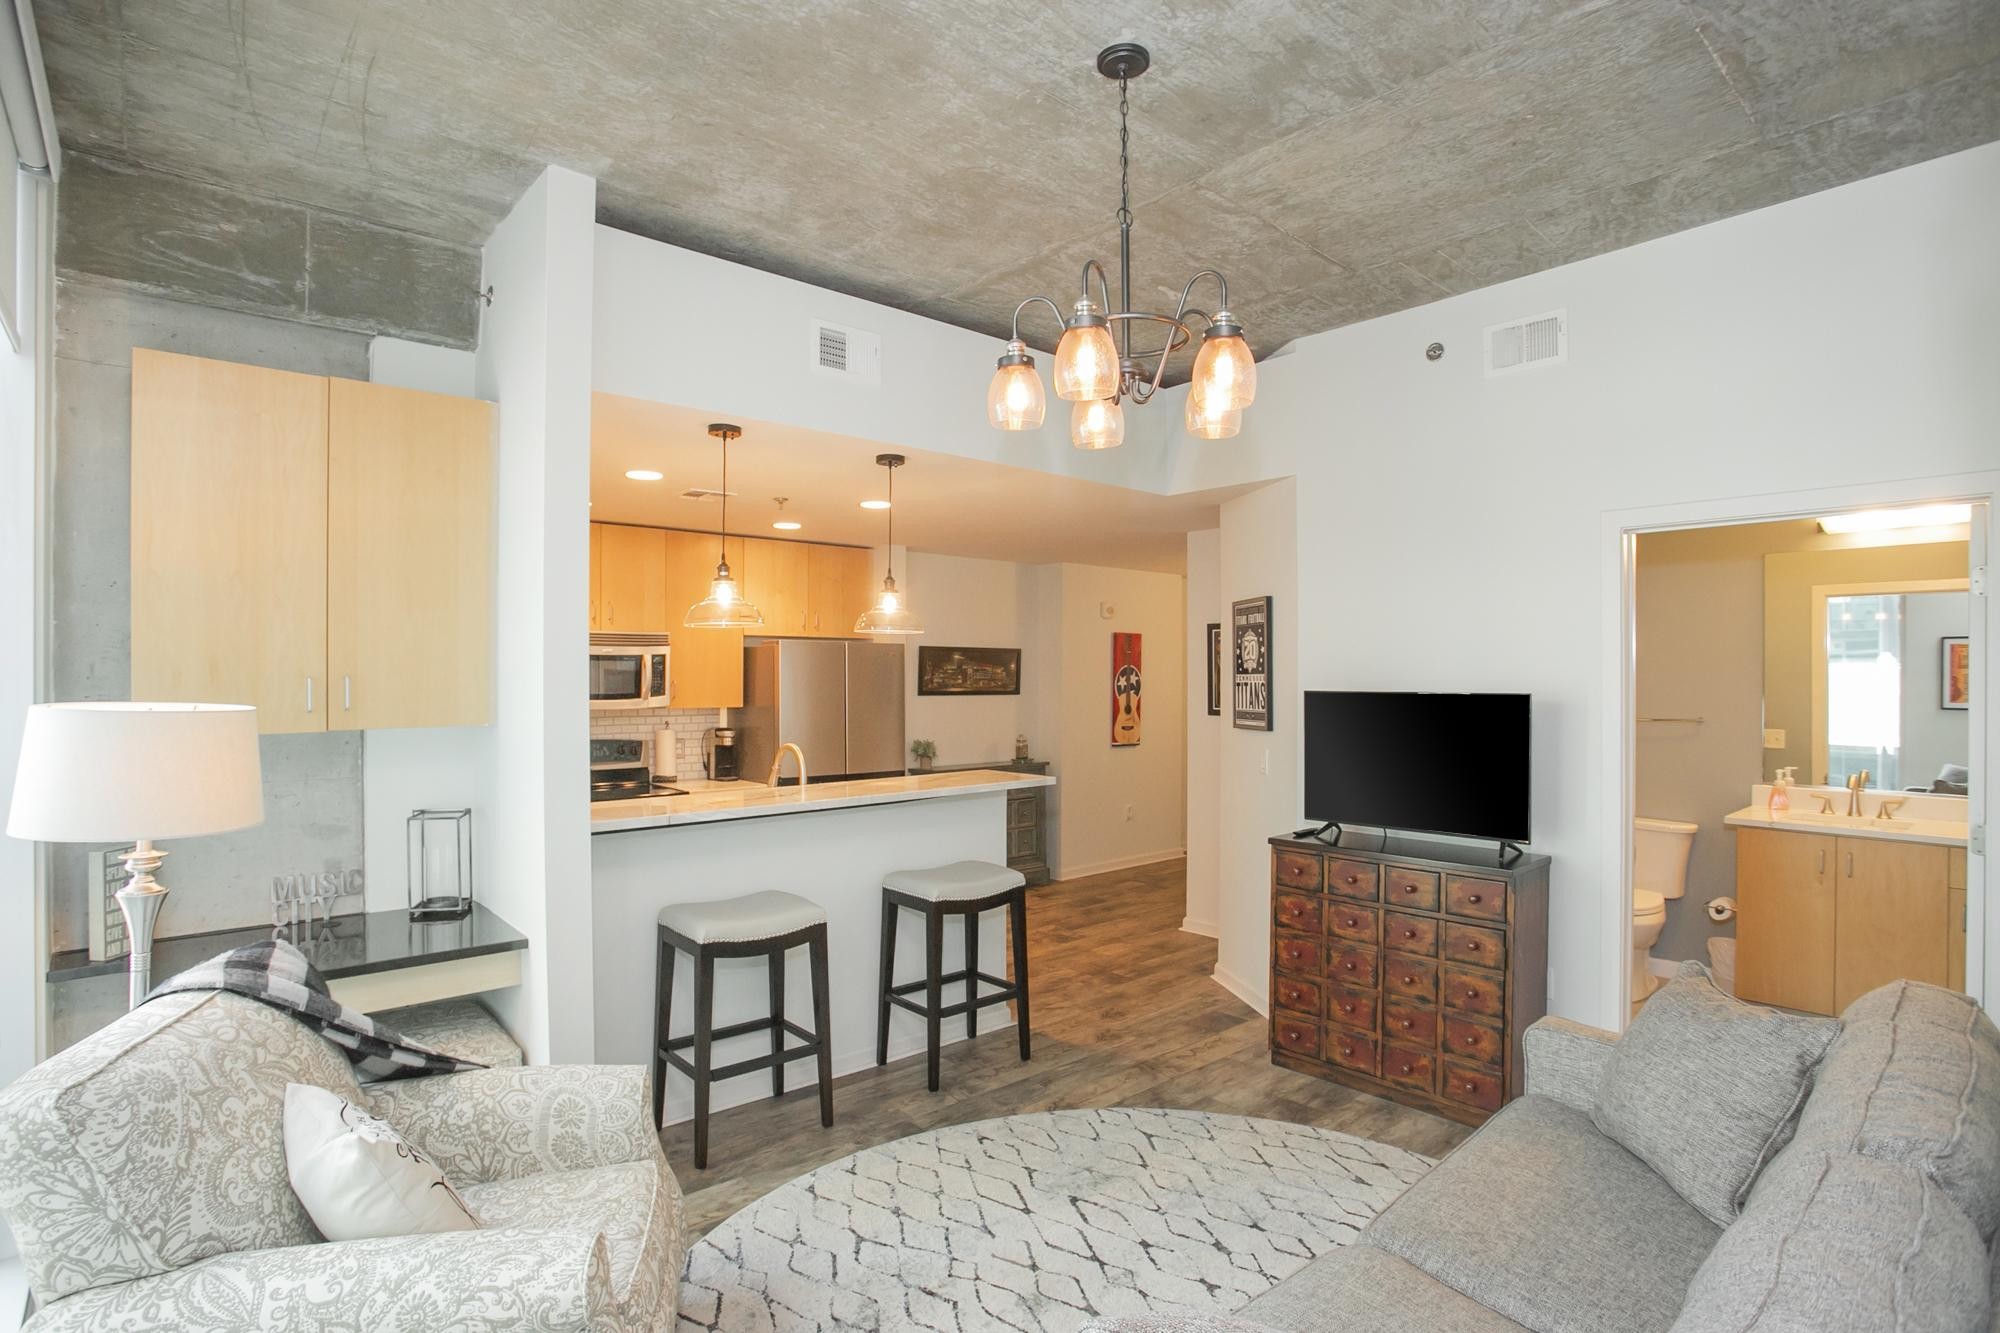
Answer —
723 763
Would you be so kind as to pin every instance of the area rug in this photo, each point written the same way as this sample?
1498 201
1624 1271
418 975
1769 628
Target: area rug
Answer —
1042 1222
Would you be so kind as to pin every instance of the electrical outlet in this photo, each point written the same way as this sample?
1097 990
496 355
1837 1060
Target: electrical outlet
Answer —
1774 738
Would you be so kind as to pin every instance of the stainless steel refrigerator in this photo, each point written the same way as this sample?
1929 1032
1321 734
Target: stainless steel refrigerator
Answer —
839 700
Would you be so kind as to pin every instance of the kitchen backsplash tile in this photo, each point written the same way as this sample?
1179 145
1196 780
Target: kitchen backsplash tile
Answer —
689 725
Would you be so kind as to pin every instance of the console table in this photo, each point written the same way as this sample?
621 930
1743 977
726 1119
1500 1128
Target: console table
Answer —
1408 967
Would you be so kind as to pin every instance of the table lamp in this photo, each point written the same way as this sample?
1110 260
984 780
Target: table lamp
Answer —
136 772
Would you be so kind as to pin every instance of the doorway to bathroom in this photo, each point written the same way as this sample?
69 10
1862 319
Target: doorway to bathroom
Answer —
1832 651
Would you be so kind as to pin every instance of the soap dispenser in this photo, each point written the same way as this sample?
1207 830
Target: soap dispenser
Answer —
1781 799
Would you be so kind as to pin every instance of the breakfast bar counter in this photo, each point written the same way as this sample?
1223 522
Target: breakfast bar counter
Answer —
832 843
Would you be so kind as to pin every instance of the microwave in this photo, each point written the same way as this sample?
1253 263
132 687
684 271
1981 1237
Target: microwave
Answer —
628 671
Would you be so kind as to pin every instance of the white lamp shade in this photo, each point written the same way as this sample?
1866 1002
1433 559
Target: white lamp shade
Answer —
119 772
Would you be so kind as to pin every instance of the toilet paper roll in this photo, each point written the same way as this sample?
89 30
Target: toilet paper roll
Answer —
1721 909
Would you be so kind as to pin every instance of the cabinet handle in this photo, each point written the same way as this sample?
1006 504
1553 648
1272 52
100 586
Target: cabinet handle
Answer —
309 694
1850 865
1822 861
347 693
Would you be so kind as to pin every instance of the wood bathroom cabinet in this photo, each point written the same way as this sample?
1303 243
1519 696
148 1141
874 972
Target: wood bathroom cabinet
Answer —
1824 919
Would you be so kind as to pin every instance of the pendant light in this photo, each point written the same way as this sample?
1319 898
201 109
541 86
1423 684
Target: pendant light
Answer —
724 607
1097 424
890 614
1207 421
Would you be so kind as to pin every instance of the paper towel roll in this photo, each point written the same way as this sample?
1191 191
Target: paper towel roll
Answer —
1721 909
665 754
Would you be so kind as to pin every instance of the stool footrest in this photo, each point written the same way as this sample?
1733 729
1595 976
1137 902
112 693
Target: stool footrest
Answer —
739 1030
950 978
749 1066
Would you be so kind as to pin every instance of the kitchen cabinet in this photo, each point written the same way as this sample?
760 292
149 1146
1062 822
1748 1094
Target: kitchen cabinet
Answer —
632 581
838 589
706 665
596 572
1822 920
775 579
1954 918
409 614
306 544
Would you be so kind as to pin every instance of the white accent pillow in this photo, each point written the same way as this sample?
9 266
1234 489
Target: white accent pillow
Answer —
356 1176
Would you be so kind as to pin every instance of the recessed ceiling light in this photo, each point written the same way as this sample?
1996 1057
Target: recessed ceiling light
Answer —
643 474
874 504
786 525
1882 520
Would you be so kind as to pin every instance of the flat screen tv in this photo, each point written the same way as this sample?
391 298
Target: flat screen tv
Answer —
1427 763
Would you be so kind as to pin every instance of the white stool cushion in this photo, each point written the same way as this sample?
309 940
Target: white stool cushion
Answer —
960 879
754 916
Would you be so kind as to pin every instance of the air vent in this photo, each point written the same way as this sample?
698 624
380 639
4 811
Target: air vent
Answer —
1541 340
851 354
705 493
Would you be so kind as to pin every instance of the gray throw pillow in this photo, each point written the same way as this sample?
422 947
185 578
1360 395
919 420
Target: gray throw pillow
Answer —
1704 1088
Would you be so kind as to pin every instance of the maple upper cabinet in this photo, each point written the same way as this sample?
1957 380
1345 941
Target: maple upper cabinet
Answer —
631 568
409 601
706 665
229 537
774 578
838 589
319 548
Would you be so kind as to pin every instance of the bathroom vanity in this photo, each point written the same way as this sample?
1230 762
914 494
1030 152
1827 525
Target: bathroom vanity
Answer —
1829 906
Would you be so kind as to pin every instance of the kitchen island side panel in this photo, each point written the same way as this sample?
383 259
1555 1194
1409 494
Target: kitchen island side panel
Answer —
835 857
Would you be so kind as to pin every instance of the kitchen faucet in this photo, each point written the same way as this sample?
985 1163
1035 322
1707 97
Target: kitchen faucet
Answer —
778 759
1855 783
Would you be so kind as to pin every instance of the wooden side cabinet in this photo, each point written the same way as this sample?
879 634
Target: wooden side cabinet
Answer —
1027 817
1823 919
1406 969
319 548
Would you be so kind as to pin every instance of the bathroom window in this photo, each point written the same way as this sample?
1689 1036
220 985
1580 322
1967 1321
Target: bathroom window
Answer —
1864 687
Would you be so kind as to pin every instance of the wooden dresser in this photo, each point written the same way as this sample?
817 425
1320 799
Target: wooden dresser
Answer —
1408 967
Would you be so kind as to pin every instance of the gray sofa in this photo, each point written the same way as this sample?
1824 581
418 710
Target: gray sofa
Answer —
1879 1213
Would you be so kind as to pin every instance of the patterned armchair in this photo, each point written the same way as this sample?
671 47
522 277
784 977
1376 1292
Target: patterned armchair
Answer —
143 1171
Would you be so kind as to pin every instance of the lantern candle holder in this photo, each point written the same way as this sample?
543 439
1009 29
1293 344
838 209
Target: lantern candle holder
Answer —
439 848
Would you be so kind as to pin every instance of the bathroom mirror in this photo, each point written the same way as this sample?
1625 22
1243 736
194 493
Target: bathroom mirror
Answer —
1889 696
1865 655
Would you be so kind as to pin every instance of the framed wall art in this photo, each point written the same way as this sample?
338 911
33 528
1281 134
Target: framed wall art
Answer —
1215 669
968 670
1125 681
1250 654
1955 672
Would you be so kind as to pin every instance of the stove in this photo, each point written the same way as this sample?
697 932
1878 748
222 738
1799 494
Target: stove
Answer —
618 772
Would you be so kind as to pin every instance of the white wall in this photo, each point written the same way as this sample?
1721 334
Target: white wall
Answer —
1204 733
1121 805
969 603
1453 525
534 361
1257 774
435 768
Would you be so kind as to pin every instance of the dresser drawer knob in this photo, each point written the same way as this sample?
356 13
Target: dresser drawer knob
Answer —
1406 1069
1474 900
1409 933
1409 981
1472 995
1472 946
1348 965
1347 1051
1350 923
1354 879
1472 1041
1406 1025
1346 1008
1470 1086
1409 888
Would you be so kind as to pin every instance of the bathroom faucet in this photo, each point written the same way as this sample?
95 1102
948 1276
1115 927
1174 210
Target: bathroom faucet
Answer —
778 760
1888 808
1825 803
1856 782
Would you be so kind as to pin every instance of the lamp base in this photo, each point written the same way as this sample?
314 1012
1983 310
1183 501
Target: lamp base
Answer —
140 901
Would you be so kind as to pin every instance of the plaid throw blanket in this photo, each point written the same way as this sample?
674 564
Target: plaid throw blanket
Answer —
275 973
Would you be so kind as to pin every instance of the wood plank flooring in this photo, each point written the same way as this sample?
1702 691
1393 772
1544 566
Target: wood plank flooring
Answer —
1125 1013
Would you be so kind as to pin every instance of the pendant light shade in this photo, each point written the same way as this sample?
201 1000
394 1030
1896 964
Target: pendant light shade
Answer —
1224 367
1015 400
891 614
1207 422
1086 358
1099 424
725 606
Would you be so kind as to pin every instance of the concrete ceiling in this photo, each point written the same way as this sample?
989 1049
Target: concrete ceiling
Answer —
1337 159
945 504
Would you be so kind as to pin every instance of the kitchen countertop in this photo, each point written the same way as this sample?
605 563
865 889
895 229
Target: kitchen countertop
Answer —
711 803
1850 826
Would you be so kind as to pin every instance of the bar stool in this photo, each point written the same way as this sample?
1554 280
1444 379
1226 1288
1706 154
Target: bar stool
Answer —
767 923
963 888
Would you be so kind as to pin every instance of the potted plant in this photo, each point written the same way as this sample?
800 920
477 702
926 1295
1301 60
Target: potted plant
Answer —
925 751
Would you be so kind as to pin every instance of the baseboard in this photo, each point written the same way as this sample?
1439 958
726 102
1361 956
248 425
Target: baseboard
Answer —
1238 987
1121 863
1194 927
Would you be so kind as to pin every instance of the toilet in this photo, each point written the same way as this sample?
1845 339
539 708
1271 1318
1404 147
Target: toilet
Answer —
1659 871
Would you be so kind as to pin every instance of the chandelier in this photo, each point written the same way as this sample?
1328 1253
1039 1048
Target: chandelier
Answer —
1097 369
